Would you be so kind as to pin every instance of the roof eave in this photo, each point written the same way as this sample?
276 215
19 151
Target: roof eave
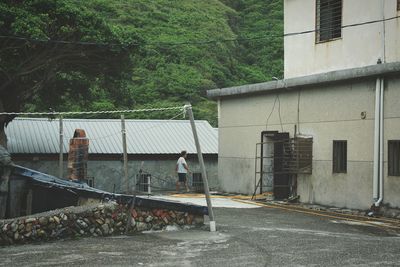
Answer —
310 80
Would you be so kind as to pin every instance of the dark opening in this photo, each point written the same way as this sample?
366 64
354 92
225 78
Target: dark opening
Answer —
329 20
281 177
197 182
339 156
45 199
394 157
398 5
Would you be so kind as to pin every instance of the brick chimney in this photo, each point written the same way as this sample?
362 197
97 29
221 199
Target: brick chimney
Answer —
78 156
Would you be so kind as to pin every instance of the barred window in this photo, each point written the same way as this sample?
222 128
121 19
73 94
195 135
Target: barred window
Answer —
394 157
339 156
398 4
329 20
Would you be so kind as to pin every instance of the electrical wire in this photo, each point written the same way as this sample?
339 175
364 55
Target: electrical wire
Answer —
279 112
342 27
141 131
92 112
197 42
272 111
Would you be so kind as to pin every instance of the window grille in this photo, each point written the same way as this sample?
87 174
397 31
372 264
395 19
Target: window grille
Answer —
329 20
297 156
394 157
197 182
144 182
90 181
339 156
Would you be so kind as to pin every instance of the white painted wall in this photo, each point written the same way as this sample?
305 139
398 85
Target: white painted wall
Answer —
327 113
359 45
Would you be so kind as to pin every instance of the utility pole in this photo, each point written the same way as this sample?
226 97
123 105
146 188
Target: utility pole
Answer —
123 131
61 155
188 109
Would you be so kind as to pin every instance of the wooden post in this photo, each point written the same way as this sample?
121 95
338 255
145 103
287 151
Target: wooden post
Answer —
5 172
123 130
60 157
29 198
203 168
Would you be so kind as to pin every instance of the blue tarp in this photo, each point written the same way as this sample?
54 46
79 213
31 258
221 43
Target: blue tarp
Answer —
84 190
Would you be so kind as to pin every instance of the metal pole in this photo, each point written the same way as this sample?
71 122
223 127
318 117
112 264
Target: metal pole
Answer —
60 157
189 111
149 185
126 184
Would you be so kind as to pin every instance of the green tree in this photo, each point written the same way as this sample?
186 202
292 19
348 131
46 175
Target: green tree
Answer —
137 53
39 66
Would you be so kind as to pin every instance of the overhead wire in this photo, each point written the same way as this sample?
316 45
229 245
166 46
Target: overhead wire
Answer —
118 133
91 112
197 42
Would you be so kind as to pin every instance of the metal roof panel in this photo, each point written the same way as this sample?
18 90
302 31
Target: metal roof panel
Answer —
41 136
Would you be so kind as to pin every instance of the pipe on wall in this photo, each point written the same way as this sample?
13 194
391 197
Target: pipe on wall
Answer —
381 144
376 141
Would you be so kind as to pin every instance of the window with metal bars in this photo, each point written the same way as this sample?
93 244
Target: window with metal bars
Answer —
339 156
329 20
398 5
394 157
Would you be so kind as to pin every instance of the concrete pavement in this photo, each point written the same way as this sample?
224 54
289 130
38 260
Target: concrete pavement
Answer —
245 237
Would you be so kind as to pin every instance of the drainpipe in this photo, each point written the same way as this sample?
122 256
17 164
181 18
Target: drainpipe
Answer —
381 140
376 141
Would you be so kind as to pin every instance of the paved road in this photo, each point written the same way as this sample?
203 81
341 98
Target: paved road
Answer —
246 237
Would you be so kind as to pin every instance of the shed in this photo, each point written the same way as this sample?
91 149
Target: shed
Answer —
153 147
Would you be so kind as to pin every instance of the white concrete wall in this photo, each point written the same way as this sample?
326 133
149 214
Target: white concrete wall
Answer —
327 113
359 45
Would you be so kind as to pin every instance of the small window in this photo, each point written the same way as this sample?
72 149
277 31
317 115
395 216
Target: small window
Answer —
398 5
394 157
339 156
329 20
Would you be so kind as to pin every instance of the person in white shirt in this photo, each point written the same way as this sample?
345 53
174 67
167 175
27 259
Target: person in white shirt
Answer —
182 169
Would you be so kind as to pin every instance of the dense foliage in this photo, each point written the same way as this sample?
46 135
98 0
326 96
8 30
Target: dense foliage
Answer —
157 52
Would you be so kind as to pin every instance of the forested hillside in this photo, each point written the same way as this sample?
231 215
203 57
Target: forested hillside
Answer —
141 53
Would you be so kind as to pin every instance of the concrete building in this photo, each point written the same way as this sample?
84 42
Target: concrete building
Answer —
153 147
357 33
340 99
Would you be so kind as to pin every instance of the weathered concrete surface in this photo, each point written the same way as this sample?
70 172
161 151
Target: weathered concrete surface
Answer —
329 114
246 237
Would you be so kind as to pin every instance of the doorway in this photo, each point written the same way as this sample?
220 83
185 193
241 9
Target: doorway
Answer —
272 174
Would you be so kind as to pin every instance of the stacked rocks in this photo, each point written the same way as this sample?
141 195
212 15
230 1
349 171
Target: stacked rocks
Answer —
100 220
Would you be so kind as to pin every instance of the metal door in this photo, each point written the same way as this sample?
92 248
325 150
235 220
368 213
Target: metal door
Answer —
281 178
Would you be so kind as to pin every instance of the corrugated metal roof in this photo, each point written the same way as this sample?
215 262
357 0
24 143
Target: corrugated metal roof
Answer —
41 136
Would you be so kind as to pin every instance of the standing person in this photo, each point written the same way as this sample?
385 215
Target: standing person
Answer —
182 169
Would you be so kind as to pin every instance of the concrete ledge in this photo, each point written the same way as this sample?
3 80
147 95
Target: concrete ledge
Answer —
372 71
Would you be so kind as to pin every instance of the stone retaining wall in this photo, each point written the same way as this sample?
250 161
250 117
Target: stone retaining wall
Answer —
98 220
